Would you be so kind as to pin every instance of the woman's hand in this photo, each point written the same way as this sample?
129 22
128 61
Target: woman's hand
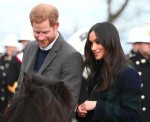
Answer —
85 107
81 112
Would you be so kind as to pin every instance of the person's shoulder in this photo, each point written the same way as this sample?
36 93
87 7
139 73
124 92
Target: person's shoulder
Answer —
69 48
129 76
133 58
32 43
69 52
131 55
129 71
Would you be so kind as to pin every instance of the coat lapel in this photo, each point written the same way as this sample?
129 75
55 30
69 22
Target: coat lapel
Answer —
52 54
33 53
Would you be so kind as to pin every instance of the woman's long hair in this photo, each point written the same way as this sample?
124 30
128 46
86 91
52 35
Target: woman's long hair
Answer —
114 57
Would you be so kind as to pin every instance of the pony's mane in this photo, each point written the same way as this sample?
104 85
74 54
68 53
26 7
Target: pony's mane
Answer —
42 100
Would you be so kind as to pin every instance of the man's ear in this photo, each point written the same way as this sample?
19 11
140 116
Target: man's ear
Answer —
56 25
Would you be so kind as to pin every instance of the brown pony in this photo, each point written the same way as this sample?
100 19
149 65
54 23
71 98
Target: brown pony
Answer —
43 100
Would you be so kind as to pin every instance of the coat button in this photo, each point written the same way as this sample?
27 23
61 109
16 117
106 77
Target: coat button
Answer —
141 84
2 98
140 73
2 67
142 96
6 65
4 74
143 61
137 62
143 108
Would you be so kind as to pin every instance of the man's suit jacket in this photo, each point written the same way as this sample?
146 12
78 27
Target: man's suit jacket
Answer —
63 62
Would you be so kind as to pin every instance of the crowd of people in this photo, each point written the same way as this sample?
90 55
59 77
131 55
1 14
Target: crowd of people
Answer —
49 80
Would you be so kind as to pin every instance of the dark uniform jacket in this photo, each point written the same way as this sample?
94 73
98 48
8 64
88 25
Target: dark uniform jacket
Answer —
143 67
13 72
4 64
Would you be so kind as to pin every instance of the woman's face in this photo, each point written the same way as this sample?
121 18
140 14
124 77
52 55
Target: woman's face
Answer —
97 48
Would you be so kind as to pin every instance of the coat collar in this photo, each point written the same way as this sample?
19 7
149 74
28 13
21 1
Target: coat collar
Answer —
51 55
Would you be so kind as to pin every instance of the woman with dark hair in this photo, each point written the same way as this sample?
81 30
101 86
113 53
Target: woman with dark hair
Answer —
113 84
42 101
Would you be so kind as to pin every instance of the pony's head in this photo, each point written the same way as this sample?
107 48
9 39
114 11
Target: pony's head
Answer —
42 100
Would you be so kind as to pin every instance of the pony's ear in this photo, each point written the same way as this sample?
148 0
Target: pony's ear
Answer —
59 87
62 93
28 80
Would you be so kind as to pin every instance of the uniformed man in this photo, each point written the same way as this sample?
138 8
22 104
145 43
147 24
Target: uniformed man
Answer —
10 44
142 64
15 64
133 40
